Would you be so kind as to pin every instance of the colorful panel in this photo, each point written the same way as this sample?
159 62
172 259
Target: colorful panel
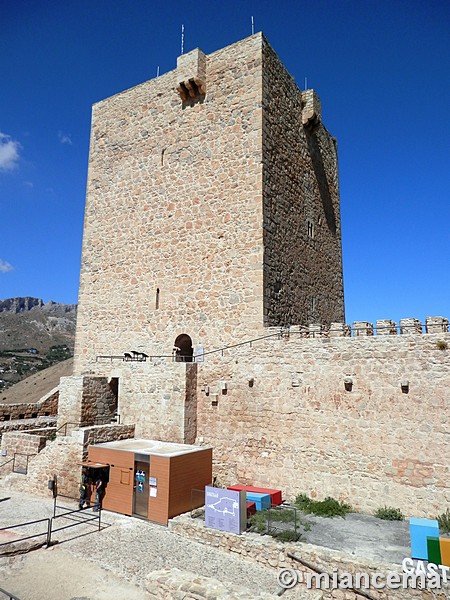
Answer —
275 495
262 501
251 509
444 544
434 550
419 530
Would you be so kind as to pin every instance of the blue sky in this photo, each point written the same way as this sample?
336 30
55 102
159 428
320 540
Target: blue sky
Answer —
381 69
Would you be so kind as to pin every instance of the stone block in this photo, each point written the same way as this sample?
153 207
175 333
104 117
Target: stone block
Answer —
191 68
386 327
312 109
436 325
339 330
362 329
410 326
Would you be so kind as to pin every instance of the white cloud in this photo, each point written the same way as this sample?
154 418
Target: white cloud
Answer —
9 152
5 266
28 184
64 138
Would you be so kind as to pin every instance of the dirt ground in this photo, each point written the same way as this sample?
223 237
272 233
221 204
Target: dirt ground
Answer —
56 574
33 388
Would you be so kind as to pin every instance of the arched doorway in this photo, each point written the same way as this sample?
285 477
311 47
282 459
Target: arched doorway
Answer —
183 350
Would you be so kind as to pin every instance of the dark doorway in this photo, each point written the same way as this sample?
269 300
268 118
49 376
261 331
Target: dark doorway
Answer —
183 350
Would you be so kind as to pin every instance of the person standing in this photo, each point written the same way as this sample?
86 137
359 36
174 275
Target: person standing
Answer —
99 487
83 490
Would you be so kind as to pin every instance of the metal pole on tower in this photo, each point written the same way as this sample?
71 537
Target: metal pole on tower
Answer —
253 26
182 39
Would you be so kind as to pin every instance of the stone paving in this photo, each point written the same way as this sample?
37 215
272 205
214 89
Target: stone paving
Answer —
127 550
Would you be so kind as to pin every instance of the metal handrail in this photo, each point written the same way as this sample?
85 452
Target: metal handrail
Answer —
8 595
64 426
47 533
6 462
21 454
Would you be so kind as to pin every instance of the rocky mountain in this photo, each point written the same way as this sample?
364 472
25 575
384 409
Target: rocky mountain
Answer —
33 335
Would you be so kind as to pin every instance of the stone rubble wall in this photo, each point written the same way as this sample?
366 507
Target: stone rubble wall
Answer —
302 237
47 406
170 584
154 397
61 457
99 399
270 553
70 403
27 425
100 434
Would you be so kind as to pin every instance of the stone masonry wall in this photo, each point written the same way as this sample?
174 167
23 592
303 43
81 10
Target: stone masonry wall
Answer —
173 221
298 428
99 400
70 403
153 396
302 236
62 458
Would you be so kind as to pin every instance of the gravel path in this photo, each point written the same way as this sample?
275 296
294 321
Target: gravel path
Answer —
127 549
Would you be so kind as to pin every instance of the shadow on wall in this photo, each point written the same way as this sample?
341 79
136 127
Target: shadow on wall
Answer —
321 176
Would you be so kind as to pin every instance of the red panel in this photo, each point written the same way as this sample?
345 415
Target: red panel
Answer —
275 495
251 508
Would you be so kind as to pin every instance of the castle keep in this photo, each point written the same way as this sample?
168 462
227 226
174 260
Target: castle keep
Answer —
212 209
212 219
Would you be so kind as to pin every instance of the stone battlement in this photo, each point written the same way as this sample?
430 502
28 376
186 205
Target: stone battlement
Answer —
366 329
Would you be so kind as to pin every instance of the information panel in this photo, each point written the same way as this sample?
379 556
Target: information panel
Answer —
225 510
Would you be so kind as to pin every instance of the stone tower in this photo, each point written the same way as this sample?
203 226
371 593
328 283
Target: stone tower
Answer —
212 209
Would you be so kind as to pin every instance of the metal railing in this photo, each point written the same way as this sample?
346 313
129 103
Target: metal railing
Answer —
284 332
13 460
79 516
112 419
46 533
6 463
8 595
22 470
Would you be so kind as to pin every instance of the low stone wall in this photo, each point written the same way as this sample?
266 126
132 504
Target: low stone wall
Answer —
62 458
27 425
167 584
46 407
269 553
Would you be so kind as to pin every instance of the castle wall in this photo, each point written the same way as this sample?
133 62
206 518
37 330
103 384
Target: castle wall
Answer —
173 225
299 429
302 236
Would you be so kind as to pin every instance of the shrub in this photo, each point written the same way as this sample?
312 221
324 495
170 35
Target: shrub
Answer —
258 521
287 536
444 521
389 513
330 507
442 345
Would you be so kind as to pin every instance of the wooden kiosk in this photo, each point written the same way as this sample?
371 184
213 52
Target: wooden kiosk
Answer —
152 479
